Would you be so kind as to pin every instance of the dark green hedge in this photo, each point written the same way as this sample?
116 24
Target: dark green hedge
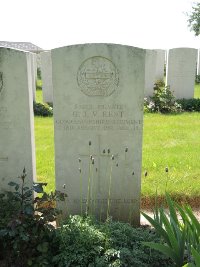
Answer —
190 104
43 110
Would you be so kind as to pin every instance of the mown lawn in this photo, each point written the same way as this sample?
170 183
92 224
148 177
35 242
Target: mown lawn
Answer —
39 97
171 141
45 151
197 91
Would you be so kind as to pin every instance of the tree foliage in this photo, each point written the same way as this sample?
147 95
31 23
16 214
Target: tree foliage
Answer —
194 19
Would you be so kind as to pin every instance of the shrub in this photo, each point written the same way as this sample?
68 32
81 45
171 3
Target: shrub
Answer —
50 104
197 80
42 109
86 242
162 100
190 104
39 74
159 84
26 236
165 69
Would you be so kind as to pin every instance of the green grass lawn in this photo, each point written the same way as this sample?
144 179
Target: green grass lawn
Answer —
197 91
44 134
171 141
39 84
39 96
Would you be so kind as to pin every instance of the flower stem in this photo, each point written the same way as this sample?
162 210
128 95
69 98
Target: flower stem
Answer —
109 189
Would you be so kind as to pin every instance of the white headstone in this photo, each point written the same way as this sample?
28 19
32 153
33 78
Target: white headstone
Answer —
150 72
181 71
198 63
98 98
160 64
16 118
34 73
46 70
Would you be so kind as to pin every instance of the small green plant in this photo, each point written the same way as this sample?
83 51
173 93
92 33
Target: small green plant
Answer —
179 237
93 206
196 259
197 80
87 242
91 186
190 104
162 100
172 235
110 186
39 73
43 110
159 84
27 237
196 256
165 69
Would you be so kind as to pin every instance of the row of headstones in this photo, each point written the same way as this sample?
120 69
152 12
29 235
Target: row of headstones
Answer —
98 92
181 70
181 65
98 121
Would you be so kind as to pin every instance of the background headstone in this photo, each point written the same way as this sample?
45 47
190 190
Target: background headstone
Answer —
150 72
160 63
198 63
181 71
16 118
46 70
34 73
98 98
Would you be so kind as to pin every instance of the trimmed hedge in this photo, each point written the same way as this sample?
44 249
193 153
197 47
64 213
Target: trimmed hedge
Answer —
189 104
43 110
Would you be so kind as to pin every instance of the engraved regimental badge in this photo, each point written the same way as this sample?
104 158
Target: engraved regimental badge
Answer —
1 81
98 76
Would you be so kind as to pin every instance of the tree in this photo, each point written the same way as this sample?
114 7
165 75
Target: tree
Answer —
194 19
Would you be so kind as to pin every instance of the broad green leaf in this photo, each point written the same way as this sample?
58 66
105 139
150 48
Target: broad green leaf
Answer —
38 187
158 228
193 219
165 250
171 208
196 256
182 213
170 233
